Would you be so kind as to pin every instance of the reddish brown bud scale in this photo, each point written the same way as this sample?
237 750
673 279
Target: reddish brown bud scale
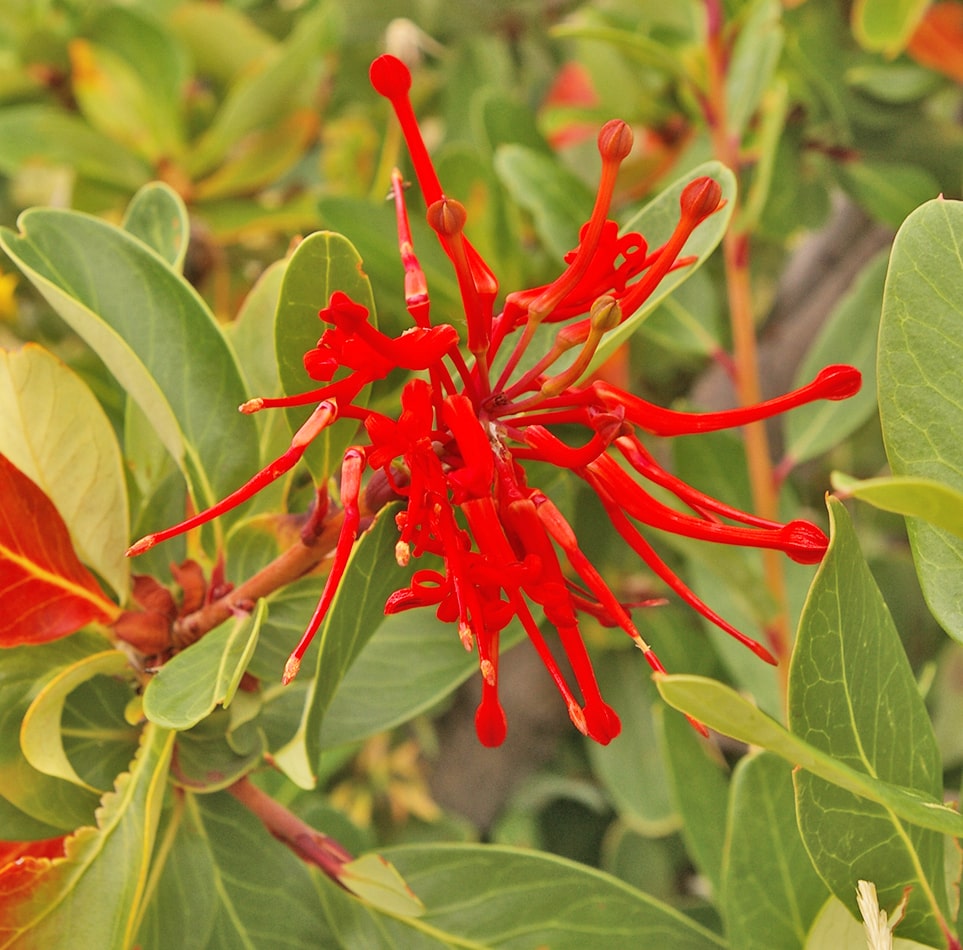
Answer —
615 140
447 217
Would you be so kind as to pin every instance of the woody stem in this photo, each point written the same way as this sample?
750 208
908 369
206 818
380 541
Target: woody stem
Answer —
303 556
735 247
312 846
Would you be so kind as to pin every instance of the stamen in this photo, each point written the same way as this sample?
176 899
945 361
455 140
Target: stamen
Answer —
833 382
351 470
323 416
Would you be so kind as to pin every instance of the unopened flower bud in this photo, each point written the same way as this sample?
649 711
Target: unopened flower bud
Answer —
447 217
606 313
615 140
700 198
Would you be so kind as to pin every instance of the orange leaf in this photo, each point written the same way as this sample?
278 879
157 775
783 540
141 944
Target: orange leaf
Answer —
47 593
938 40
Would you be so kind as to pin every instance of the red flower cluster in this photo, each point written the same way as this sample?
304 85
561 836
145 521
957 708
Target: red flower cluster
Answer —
457 450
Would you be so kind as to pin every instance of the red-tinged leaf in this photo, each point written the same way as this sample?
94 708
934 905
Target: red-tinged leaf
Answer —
13 851
938 40
47 593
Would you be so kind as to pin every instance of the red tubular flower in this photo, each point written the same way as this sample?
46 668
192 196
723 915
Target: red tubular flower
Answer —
456 452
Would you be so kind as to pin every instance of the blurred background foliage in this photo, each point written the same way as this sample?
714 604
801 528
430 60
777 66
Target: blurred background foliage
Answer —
260 116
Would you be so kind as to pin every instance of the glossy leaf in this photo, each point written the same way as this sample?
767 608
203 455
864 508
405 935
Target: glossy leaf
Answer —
47 592
849 334
154 333
158 216
631 769
94 893
221 749
273 903
699 787
41 736
34 804
498 897
771 893
921 389
924 498
721 708
322 264
889 191
853 695
188 687
356 612
377 882
55 432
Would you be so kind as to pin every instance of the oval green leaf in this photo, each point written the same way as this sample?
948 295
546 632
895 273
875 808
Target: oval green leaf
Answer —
207 674
41 736
154 333
852 695
55 432
921 387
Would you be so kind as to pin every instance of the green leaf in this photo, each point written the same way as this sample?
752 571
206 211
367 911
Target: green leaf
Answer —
924 498
159 72
283 80
356 612
889 191
442 666
558 201
41 736
117 101
921 388
223 41
54 431
377 882
269 901
497 897
699 786
154 333
322 264
158 216
686 320
188 687
771 893
261 157
885 26
721 708
94 893
36 135
631 767
221 749
50 801
850 336
253 326
836 927
852 695
752 63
